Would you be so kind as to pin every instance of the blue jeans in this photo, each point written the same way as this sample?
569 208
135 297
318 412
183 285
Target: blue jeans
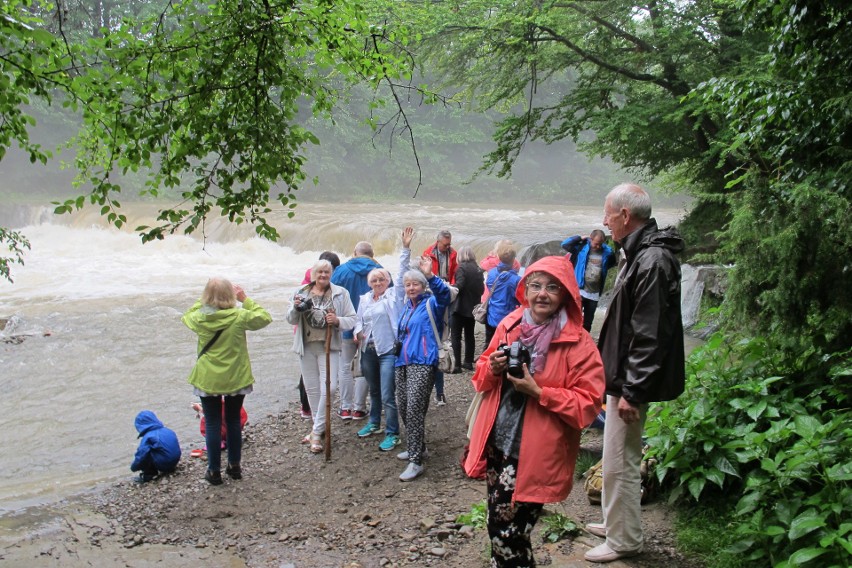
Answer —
212 407
378 371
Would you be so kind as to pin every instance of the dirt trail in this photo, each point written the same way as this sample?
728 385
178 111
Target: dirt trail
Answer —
294 509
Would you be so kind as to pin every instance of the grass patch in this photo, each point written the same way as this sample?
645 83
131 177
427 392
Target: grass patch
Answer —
585 460
706 533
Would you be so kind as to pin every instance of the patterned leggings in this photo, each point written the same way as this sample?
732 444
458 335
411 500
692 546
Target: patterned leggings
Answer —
509 524
413 389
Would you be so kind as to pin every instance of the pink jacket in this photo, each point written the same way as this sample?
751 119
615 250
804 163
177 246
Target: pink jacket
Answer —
572 383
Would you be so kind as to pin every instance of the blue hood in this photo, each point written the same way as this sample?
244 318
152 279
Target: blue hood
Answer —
147 421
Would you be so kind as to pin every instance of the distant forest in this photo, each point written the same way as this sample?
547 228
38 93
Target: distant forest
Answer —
355 163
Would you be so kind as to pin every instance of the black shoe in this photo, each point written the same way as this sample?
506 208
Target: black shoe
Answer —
456 371
467 367
234 471
213 477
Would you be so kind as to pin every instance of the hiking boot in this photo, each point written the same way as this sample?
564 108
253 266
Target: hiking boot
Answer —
234 471
368 430
390 442
213 477
412 472
344 414
358 415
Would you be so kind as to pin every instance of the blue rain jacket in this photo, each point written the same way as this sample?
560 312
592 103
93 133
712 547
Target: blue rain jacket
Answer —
158 443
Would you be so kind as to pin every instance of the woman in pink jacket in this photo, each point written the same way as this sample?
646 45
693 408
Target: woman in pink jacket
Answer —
539 392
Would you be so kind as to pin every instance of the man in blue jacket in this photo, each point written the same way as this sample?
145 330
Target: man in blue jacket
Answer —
591 260
159 449
352 275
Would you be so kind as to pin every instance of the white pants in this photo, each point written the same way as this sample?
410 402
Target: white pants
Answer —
313 375
622 481
353 390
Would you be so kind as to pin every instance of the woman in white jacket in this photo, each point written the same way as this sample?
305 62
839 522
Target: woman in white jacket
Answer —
316 307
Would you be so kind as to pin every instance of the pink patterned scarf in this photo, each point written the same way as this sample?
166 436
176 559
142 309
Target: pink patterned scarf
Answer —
539 336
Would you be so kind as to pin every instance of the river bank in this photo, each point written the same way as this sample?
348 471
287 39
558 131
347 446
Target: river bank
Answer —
295 509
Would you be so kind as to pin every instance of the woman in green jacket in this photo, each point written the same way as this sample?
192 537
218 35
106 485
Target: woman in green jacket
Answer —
223 368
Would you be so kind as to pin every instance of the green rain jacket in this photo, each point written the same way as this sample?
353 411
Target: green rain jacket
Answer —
225 368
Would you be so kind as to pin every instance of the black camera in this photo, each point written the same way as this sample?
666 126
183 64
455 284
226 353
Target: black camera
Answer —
397 347
516 355
306 304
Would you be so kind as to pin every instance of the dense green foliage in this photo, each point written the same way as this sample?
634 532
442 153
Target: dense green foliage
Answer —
773 434
743 104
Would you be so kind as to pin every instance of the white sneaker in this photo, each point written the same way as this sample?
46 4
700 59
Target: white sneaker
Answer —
597 529
412 472
404 455
603 554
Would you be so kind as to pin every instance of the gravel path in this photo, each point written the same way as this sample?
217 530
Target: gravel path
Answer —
294 509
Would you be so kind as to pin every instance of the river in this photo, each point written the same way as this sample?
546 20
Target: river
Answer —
100 313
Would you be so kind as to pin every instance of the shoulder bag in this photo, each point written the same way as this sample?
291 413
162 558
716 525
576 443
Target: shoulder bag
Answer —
446 358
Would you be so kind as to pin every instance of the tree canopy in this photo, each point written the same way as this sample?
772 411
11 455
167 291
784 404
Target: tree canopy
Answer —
743 104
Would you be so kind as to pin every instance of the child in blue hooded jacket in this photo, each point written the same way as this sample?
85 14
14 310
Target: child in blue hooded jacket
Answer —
159 449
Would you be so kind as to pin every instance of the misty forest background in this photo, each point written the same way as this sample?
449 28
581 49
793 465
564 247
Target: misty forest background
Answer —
739 109
351 162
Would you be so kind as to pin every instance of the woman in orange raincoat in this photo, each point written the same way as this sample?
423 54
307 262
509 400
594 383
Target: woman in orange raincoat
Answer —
539 393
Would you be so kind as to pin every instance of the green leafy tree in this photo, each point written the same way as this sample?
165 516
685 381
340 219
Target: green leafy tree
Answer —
204 99
743 104
793 136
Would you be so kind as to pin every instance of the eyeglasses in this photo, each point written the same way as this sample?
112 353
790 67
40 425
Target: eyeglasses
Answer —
551 288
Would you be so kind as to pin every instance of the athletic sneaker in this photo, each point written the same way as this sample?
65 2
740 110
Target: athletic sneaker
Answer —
441 399
305 414
368 430
412 472
358 415
344 414
390 442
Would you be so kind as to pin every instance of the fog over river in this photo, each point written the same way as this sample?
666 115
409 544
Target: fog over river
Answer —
101 316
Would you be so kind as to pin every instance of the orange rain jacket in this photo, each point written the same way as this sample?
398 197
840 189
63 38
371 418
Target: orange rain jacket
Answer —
572 383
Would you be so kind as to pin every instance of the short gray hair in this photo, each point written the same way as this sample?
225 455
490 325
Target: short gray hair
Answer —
633 198
466 254
415 274
444 234
364 248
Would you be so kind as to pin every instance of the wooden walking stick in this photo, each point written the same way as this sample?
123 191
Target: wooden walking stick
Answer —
328 393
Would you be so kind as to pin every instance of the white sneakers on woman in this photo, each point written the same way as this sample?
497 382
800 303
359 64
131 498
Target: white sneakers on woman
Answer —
412 472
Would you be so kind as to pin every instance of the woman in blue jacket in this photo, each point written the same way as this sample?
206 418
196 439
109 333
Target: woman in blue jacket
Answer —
417 353
159 449
502 281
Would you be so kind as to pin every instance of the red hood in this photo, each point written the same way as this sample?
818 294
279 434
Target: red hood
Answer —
558 267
